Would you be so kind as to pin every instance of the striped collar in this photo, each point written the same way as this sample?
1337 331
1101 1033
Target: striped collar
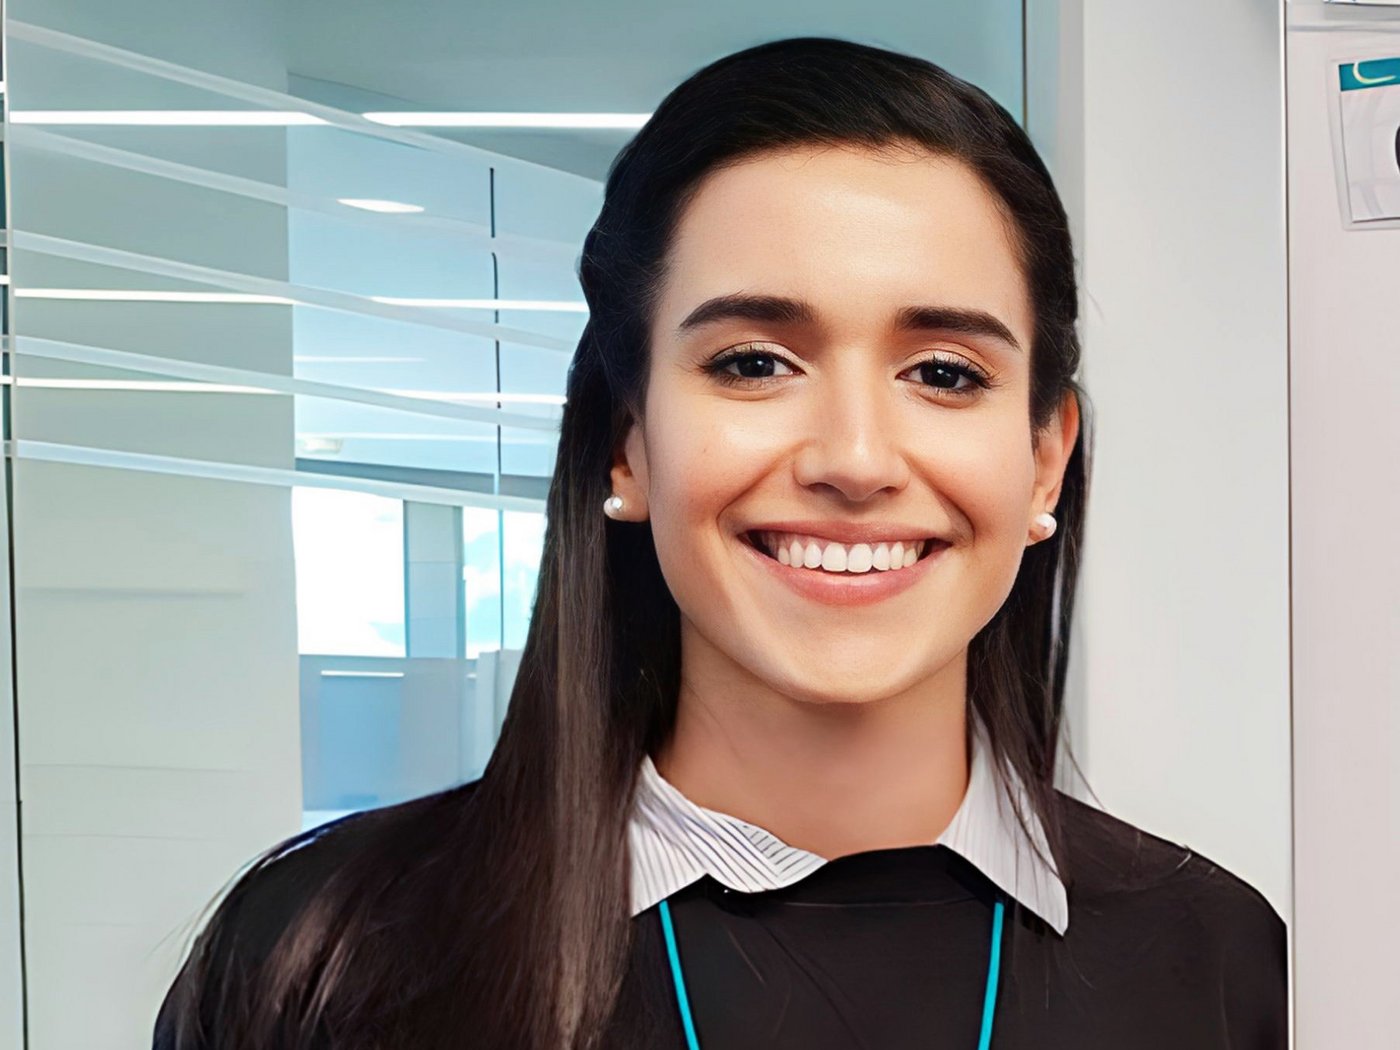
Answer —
675 841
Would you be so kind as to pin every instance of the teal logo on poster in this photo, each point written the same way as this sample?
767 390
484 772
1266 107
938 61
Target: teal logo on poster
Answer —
1375 72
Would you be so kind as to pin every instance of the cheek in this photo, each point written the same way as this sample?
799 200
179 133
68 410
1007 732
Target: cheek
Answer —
992 487
703 458
983 479
984 475
700 462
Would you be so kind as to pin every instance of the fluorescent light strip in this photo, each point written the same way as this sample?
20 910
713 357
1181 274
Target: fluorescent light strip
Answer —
126 295
247 118
361 674
178 387
486 395
551 305
312 445
475 439
350 359
206 118
626 121
167 386
385 207
117 295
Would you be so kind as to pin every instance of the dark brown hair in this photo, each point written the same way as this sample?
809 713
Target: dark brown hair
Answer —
496 914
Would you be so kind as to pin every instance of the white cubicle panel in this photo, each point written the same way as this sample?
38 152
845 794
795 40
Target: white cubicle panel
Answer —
1344 280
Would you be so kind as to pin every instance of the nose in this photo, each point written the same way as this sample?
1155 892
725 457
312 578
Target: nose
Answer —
852 442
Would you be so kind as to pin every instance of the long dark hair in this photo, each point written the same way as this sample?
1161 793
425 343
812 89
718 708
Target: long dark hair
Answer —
496 913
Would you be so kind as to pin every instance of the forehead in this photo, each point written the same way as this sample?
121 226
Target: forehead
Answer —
859 233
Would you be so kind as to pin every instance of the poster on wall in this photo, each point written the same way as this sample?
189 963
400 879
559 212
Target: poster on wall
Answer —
1369 109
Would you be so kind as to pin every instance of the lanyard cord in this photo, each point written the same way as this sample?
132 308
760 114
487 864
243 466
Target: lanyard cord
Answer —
692 1041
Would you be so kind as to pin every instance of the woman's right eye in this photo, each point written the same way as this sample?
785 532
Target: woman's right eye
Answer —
752 366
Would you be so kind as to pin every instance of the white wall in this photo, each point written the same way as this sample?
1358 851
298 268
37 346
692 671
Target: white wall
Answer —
1163 125
1345 334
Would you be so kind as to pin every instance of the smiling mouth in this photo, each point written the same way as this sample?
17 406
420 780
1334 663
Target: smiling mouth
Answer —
817 555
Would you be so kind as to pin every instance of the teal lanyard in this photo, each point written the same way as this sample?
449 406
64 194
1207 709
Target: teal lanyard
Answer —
692 1041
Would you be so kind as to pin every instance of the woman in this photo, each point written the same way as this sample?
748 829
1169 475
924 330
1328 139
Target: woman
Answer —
778 769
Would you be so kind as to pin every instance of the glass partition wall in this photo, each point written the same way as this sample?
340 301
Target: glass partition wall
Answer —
290 334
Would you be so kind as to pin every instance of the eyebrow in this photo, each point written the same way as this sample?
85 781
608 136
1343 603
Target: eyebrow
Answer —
778 309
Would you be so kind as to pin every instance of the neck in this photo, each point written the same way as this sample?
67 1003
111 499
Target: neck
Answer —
830 777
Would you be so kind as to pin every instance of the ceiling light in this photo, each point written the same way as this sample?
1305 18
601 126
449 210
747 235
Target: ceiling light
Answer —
388 207
352 359
629 121
560 305
158 386
313 444
485 395
136 295
128 295
170 117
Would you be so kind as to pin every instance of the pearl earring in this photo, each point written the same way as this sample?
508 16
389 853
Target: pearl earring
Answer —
612 505
1046 521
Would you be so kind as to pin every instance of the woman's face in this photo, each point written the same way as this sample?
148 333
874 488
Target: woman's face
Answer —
871 296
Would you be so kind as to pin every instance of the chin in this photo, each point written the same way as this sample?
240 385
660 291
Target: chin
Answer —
825 683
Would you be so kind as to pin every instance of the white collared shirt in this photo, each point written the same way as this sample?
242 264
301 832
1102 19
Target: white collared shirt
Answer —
674 842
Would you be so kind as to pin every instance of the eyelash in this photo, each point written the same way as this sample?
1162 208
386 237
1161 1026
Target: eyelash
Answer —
716 367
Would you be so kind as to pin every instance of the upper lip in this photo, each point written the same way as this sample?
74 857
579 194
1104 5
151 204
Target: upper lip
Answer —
848 532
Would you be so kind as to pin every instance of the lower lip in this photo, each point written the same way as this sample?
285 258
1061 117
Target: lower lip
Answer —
846 588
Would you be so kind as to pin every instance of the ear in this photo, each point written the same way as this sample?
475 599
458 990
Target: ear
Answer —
629 474
1052 453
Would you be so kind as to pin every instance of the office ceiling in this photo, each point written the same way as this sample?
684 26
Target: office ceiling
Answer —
620 56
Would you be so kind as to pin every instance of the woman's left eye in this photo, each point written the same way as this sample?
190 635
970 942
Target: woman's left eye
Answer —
938 373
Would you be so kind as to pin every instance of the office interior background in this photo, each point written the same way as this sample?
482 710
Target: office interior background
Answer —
286 325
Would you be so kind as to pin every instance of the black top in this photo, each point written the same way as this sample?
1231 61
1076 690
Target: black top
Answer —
889 949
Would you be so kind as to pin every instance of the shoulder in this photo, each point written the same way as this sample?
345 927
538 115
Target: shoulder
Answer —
270 896
282 881
1194 912
1112 857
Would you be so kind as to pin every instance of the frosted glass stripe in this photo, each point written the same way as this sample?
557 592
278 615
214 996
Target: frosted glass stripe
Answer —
168 366
83 455
324 298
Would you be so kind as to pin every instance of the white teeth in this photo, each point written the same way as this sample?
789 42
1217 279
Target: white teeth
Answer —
810 552
860 558
834 558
